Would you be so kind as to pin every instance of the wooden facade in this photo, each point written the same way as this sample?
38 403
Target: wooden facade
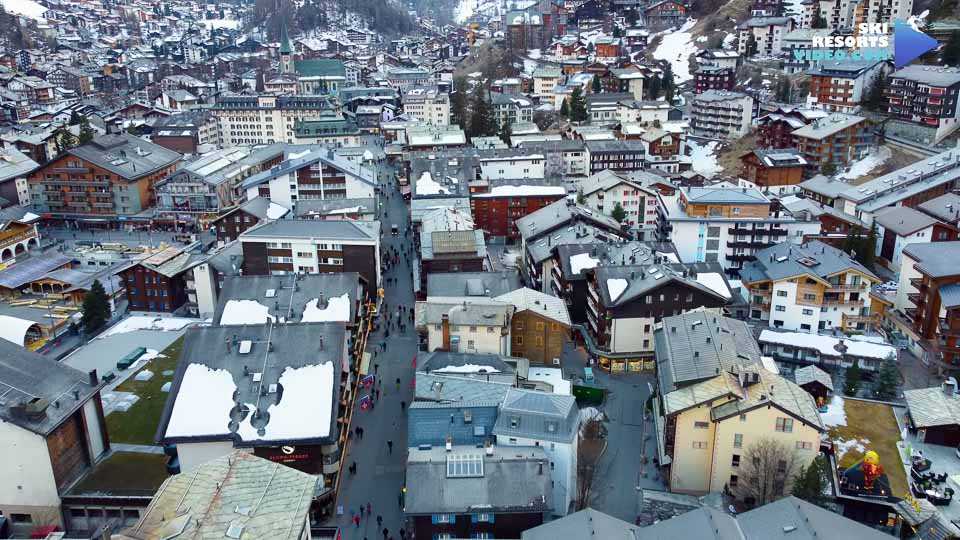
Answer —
537 338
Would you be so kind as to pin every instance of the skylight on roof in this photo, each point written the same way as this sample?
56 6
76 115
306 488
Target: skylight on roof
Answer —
465 466
245 346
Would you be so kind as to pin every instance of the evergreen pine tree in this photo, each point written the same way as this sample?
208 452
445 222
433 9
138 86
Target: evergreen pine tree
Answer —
852 383
618 213
481 120
809 483
580 198
96 308
564 109
74 118
783 90
595 86
506 131
875 100
578 106
869 248
888 379
819 21
751 45
86 132
667 83
458 102
653 89
64 140
951 51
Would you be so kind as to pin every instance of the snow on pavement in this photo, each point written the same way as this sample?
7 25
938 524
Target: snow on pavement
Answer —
862 167
676 48
836 415
704 158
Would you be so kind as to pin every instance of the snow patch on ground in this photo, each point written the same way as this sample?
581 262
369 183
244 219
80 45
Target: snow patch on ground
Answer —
841 447
836 415
862 167
729 40
676 48
151 354
337 310
146 322
616 287
704 158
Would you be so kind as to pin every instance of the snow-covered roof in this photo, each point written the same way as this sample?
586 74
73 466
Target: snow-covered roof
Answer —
337 310
616 286
245 312
827 345
715 282
203 403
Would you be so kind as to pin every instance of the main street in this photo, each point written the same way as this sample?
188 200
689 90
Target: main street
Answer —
380 472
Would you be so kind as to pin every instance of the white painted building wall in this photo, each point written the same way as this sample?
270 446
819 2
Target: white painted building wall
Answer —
632 335
531 166
562 468
27 484
905 288
284 189
922 236
194 454
472 339
94 429
204 279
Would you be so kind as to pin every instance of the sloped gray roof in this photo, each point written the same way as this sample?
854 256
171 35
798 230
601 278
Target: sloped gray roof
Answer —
930 407
771 388
474 311
561 214
949 295
783 260
291 293
945 207
703 522
903 220
791 518
585 524
26 376
936 259
431 423
125 155
489 284
441 388
698 345
515 480
541 416
724 195
811 373
203 503
643 279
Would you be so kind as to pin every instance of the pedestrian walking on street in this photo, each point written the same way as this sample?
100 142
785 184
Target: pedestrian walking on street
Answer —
403 406
369 512
386 532
377 393
398 384
362 509
356 431
356 521
390 445
361 433
376 368
403 534
379 521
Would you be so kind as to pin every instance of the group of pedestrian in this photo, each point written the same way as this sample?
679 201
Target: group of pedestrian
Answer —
367 511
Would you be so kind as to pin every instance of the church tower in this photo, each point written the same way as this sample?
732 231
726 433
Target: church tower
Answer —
286 52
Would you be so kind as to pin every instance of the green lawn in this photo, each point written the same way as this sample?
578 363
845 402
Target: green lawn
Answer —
139 424
126 471
875 423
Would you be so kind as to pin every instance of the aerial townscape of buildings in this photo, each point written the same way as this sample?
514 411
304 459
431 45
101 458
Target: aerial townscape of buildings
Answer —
581 269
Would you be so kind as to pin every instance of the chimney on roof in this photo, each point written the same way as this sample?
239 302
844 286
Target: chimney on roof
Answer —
93 377
320 338
540 467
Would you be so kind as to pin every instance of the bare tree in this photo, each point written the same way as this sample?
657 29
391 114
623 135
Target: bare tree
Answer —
766 471
588 456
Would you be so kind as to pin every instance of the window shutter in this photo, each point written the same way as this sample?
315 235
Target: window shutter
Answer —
433 520
473 518
489 518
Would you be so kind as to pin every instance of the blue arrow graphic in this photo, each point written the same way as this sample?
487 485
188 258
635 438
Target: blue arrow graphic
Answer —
909 43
